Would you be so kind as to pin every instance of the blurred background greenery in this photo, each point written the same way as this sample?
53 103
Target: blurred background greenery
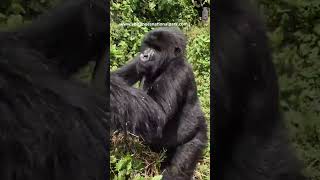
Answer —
294 30
16 12
294 27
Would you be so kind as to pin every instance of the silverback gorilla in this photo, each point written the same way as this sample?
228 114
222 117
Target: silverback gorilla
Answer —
168 79
52 128
250 138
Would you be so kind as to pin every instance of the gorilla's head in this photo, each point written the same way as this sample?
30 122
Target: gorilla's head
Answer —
160 47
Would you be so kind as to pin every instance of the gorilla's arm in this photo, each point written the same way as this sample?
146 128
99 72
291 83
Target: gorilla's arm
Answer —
128 72
133 110
171 85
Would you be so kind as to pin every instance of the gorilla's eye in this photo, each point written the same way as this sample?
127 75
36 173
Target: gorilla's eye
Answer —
157 48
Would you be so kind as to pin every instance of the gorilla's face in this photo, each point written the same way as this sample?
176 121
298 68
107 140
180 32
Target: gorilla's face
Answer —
147 55
159 47
150 60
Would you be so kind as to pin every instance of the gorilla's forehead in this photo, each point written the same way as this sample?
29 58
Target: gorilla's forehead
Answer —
166 36
168 29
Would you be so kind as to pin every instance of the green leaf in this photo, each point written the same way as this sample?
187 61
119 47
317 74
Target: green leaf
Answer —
159 177
138 177
122 175
129 167
123 163
113 159
152 5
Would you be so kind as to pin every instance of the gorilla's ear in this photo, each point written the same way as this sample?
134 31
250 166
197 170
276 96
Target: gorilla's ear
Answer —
74 32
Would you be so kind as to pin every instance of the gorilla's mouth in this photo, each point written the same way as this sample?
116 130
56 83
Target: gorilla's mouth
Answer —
146 55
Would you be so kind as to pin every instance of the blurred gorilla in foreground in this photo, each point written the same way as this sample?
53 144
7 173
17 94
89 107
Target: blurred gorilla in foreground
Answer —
168 79
250 138
52 127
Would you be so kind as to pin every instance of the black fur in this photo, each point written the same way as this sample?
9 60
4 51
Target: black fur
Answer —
134 111
51 127
250 139
168 79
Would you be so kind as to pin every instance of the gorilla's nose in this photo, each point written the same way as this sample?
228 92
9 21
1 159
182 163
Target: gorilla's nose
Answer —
144 57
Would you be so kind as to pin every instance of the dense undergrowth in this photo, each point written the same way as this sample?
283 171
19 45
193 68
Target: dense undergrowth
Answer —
294 27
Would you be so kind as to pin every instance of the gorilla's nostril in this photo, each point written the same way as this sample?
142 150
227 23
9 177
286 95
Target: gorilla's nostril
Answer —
144 57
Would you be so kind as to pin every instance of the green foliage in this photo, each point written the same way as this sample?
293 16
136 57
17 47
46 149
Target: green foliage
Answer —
126 168
295 38
131 159
198 54
146 11
153 11
120 50
16 12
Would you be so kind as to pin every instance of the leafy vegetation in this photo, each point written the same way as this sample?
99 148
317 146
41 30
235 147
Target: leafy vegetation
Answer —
295 37
17 12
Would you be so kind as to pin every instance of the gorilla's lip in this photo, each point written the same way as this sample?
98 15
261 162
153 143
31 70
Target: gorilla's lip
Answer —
142 58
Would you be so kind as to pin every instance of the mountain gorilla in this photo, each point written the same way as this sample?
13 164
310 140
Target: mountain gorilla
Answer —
52 127
168 79
250 139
